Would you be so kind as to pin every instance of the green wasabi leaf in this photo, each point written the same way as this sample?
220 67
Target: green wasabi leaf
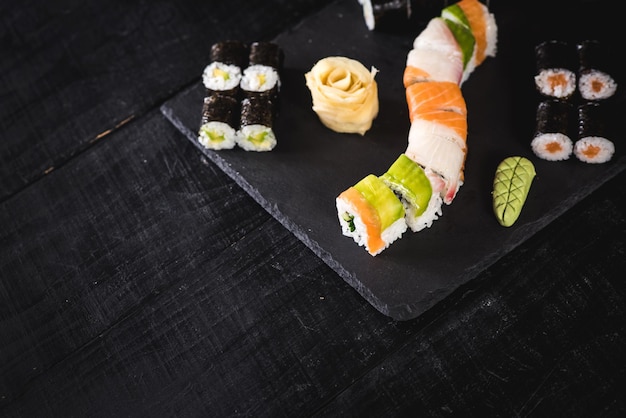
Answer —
511 185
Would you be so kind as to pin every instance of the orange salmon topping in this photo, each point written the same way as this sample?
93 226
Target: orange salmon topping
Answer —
557 80
597 85
368 216
553 147
434 95
475 15
413 75
591 151
452 120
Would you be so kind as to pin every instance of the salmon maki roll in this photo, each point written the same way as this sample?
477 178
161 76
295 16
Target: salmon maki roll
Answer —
370 213
552 139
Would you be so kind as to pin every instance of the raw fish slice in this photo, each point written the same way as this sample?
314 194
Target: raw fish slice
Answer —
438 65
414 75
432 147
438 95
455 123
437 36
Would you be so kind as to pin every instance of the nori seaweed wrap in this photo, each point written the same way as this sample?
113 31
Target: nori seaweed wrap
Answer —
266 53
230 52
387 15
220 108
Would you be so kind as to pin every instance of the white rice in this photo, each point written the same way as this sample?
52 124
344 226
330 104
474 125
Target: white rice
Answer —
596 85
368 14
426 219
594 149
552 146
221 77
247 134
217 135
492 34
359 234
259 78
556 82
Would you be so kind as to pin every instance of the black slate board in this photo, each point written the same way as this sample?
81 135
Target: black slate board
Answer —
298 181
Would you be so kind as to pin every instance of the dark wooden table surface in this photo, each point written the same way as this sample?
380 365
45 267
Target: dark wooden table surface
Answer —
137 279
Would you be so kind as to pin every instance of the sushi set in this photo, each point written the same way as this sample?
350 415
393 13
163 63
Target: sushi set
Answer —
576 81
426 249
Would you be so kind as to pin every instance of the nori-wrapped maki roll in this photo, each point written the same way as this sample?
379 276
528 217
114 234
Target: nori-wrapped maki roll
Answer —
552 139
262 76
266 53
592 145
230 52
595 79
220 119
556 65
386 15
256 132
224 72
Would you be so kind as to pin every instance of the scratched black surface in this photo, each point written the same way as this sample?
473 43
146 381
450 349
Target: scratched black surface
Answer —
138 279
312 165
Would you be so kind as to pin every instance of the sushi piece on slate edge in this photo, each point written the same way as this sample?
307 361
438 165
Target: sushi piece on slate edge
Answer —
218 128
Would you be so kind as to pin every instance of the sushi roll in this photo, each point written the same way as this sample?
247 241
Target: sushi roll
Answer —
371 214
256 124
222 78
425 64
483 26
434 95
592 145
460 27
409 182
230 52
552 139
266 53
386 15
437 36
595 80
441 152
556 68
219 122
260 79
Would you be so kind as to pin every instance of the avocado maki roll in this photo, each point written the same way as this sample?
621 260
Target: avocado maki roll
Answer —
219 122
256 124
